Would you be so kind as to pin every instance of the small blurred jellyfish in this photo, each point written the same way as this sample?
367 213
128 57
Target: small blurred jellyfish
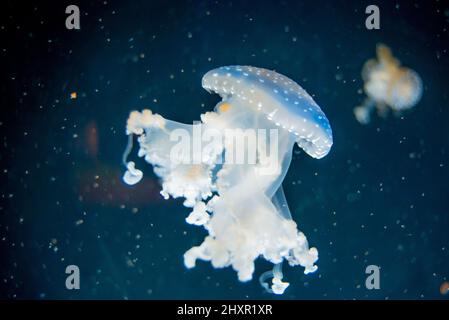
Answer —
387 84
240 204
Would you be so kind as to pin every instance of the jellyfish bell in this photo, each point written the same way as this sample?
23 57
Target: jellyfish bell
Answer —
281 100
261 98
241 204
387 85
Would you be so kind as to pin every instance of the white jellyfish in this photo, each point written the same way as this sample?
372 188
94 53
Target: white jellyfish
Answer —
387 84
239 201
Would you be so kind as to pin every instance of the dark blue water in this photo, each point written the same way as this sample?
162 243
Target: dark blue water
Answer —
380 197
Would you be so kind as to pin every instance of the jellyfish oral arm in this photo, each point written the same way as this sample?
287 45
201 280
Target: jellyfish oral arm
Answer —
277 287
137 122
249 216
132 175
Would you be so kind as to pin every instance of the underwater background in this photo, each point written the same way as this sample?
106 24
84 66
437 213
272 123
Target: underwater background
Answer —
381 196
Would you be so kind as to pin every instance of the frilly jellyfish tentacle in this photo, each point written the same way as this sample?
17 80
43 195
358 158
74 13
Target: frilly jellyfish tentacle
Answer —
157 139
132 175
277 286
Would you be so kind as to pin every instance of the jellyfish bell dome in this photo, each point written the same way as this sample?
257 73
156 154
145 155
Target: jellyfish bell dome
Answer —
283 101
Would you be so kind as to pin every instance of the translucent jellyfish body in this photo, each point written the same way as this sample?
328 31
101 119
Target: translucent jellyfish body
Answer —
234 188
387 85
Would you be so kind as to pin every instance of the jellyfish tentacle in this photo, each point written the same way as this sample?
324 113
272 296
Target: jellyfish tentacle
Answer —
132 175
128 150
277 286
